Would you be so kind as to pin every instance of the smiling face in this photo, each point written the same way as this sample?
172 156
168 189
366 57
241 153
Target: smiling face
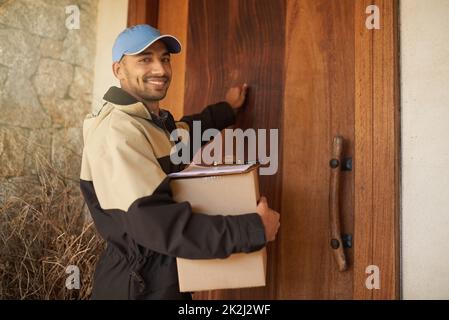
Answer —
147 75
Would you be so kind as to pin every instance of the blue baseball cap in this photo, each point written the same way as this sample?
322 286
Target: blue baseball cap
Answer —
136 39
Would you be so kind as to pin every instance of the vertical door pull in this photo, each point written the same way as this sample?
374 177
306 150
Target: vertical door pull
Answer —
336 242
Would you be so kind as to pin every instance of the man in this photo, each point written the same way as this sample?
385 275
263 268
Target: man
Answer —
126 159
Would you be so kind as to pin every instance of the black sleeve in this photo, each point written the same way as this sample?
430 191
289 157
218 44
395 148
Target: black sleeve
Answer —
217 116
163 225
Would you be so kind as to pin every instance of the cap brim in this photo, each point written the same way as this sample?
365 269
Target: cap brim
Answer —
172 43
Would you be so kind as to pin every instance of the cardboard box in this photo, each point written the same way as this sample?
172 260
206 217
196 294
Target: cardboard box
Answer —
220 190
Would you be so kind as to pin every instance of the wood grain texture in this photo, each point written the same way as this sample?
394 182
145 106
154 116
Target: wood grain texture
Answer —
363 158
386 152
143 12
341 60
229 43
173 16
377 152
318 105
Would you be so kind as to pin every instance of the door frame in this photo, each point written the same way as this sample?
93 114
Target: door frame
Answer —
377 151
377 139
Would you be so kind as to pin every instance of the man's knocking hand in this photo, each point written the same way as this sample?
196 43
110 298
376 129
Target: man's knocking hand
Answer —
235 96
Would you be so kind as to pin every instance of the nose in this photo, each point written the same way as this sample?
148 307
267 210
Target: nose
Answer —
158 68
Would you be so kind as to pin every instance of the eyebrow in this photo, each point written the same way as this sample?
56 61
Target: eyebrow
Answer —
165 53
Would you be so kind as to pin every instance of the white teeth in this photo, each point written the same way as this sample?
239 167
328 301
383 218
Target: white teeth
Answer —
156 82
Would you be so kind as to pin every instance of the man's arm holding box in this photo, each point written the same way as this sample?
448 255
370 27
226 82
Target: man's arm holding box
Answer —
134 191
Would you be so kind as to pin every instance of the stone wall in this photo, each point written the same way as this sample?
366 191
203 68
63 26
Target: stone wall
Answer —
46 83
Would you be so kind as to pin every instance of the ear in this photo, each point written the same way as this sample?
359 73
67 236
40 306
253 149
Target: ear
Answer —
117 69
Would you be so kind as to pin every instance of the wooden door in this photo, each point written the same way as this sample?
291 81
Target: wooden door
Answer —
319 104
315 71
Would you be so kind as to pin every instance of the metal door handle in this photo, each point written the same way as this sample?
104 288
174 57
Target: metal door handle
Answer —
334 204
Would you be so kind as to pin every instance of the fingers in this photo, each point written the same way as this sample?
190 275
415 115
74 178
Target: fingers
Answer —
241 91
236 96
244 89
263 201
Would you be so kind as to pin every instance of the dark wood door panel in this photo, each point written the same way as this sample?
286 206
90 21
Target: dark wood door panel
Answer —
143 11
231 42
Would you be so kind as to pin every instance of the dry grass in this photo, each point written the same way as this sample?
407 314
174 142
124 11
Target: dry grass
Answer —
41 233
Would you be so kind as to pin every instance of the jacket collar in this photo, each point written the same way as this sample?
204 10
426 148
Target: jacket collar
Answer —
125 102
119 96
